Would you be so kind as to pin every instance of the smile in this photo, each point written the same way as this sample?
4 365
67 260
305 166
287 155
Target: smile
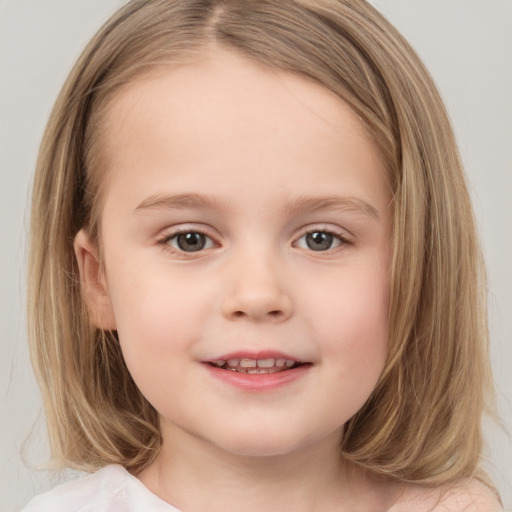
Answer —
258 371
256 366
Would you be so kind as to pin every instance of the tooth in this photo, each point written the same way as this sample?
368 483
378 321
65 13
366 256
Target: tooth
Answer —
233 362
248 363
220 362
290 363
280 362
266 363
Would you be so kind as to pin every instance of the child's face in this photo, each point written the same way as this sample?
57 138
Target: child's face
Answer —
246 217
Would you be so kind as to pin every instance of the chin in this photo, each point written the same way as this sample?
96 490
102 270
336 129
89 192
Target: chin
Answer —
264 444
259 450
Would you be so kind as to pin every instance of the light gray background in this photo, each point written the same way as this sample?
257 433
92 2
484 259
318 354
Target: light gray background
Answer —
467 44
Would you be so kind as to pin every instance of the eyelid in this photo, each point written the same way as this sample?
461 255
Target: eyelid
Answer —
325 228
341 234
174 231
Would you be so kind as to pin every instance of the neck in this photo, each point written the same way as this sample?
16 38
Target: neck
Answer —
194 475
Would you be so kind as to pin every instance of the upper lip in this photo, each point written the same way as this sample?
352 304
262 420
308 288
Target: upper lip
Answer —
262 354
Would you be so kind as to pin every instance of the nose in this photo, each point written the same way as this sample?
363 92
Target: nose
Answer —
256 290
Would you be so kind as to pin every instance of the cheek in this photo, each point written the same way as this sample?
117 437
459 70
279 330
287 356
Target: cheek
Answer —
156 327
156 315
351 315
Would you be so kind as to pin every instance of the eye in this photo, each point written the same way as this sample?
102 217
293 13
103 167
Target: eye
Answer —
320 241
189 241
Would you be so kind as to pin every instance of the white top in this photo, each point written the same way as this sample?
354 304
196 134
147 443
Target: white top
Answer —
111 489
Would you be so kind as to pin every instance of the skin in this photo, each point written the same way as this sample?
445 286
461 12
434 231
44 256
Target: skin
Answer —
252 159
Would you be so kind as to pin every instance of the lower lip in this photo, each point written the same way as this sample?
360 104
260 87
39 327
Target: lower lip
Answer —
259 381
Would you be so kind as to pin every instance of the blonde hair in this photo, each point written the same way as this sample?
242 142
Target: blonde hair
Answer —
422 422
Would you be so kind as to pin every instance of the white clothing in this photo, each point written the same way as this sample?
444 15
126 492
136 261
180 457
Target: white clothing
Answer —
111 489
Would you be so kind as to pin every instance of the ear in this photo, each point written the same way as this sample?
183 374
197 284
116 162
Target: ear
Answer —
93 283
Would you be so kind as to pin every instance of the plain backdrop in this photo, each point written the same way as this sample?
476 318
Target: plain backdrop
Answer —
467 45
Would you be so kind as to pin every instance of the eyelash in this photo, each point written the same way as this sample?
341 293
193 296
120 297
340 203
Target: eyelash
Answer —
341 239
165 240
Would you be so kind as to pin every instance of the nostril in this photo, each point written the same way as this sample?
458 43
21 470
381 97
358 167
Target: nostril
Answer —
274 314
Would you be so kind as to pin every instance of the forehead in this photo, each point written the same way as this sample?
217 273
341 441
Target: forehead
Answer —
226 116
220 81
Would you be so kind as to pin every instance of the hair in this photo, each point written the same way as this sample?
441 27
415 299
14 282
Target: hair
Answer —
422 422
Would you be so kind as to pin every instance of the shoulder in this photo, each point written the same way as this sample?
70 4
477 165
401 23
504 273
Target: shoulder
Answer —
99 492
471 496
467 496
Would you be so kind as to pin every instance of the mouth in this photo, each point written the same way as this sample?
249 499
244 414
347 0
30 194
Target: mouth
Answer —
256 366
262 371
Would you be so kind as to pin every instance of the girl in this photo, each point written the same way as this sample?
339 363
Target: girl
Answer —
255 279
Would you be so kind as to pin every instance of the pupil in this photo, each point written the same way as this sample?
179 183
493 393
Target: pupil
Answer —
319 241
191 242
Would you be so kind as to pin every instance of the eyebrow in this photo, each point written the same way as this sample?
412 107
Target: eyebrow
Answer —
351 204
298 205
180 202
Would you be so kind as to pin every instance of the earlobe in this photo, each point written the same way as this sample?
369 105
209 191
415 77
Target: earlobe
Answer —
93 283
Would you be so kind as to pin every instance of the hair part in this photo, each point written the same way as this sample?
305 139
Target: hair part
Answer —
422 422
